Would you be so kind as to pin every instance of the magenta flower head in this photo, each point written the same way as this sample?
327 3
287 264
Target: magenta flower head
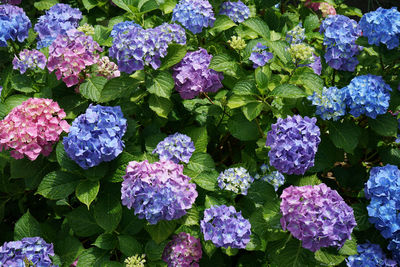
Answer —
157 191
29 59
316 215
192 75
70 54
32 128
184 250
176 147
225 227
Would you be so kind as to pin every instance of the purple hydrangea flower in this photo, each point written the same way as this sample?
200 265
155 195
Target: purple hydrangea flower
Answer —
236 11
225 227
96 136
369 255
316 65
58 20
11 2
194 15
14 24
340 34
367 94
382 26
294 142
183 250
157 191
29 59
32 249
123 27
192 75
176 147
237 180
275 178
316 215
260 56
330 104
135 48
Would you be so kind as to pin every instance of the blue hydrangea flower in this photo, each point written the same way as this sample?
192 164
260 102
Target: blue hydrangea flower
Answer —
237 180
369 255
33 249
296 35
194 15
123 27
176 147
58 20
382 26
330 104
367 94
29 59
14 24
96 136
394 247
236 11
260 56
275 178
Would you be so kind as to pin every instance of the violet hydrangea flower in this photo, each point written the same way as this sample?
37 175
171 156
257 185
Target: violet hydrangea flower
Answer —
123 27
183 250
176 147
11 2
330 104
29 249
369 255
236 11
294 142
316 215
260 56
157 191
237 180
29 59
225 227
14 24
194 15
192 75
96 136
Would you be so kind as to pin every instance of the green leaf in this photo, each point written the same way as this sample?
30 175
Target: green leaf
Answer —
261 193
58 185
175 53
106 241
168 6
237 101
304 76
65 162
93 257
82 222
344 135
13 101
127 5
102 35
92 88
329 256
311 23
147 5
224 63
222 23
252 110
161 85
22 83
87 191
242 129
161 231
129 245
199 138
245 87
192 217
200 162
68 248
117 88
108 211
161 106
44 4
153 250
288 91
259 26
349 247
205 179
89 4
27 226
361 216
279 48
385 125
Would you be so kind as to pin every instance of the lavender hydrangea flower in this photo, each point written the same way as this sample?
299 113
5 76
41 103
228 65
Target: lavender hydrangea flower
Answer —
330 104
294 142
192 75
183 250
96 136
275 178
176 147
58 20
29 59
369 255
237 180
367 94
225 227
382 26
316 215
157 191
236 11
316 64
32 249
14 24
123 27
135 47
260 56
194 15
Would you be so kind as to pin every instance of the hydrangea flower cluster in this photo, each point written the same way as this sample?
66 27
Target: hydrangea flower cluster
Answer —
260 56
33 250
123 27
294 142
275 178
32 128
11 2
176 147
14 24
194 15
96 136
394 247
341 33
29 59
136 261
369 255
330 104
192 75
324 7
225 227
58 20
70 54
157 191
237 43
237 180
316 215
382 26
301 52
315 64
107 68
296 35
367 94
183 250
134 47
236 11
86 29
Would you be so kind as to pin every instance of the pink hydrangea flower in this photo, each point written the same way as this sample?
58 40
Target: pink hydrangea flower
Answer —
32 128
107 68
325 8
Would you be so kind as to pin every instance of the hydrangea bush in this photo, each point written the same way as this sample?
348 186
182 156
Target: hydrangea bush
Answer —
199 133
